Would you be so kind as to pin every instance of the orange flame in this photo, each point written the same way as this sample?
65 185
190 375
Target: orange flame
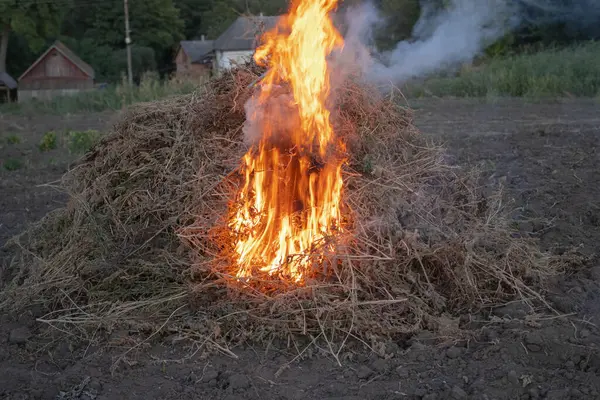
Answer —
289 205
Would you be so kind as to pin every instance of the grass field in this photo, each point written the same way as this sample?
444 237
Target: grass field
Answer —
113 97
552 73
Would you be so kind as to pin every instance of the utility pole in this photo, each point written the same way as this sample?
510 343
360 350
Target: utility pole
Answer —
128 43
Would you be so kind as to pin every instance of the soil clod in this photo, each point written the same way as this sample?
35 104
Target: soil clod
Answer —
238 381
453 352
364 372
19 335
458 393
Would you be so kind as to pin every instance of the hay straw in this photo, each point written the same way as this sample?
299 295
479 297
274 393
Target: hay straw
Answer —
137 239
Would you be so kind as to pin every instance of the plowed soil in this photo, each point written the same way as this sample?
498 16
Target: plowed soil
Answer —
548 156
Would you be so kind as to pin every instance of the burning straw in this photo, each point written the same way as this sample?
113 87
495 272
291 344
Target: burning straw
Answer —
136 243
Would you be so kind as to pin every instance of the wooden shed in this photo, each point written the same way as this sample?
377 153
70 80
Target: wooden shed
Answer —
57 72
8 88
193 58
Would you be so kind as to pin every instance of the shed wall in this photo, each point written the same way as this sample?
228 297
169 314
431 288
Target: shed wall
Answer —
47 94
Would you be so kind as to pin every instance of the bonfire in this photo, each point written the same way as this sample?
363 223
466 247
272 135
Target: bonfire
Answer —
272 204
289 204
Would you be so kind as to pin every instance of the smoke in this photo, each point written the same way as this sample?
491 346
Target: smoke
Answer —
444 38
275 117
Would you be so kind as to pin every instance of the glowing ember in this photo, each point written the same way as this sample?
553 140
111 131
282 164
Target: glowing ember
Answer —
289 205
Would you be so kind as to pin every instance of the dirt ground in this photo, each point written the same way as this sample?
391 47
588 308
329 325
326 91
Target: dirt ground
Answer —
548 156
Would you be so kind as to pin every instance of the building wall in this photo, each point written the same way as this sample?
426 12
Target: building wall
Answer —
227 59
182 62
185 69
200 70
56 72
46 94
56 84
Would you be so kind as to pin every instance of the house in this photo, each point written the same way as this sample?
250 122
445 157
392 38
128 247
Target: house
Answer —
194 58
237 44
58 71
8 88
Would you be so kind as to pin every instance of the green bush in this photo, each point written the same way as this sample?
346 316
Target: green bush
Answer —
13 139
12 164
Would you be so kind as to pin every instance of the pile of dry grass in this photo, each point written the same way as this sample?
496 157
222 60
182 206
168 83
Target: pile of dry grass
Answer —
134 242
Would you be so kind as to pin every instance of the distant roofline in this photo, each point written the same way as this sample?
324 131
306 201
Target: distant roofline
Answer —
209 42
236 49
55 46
258 18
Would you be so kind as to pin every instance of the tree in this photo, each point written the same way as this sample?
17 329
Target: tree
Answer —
19 55
154 23
401 17
34 20
110 64
217 19
97 33
193 14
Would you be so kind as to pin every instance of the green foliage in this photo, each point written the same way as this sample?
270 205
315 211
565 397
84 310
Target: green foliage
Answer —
13 139
34 20
402 16
193 14
12 164
110 64
80 142
96 32
551 73
221 15
19 55
502 47
48 141
154 23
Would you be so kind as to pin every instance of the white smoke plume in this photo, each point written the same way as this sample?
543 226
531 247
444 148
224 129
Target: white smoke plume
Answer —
445 38
440 39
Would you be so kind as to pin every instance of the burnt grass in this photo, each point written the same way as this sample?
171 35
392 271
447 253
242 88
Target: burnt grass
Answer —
547 155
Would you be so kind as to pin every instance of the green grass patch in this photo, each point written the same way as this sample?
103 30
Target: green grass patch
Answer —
13 139
48 142
12 164
567 72
112 97
80 142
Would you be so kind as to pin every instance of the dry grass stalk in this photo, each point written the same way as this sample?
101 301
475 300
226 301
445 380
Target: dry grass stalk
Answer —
142 235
